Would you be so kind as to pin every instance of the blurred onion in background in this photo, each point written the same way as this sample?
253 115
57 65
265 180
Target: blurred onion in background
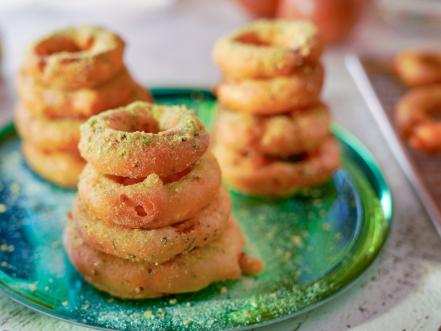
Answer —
335 18
260 8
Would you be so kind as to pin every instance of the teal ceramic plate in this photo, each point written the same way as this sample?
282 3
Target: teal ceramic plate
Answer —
313 245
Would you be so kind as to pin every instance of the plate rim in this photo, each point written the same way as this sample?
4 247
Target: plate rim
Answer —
343 136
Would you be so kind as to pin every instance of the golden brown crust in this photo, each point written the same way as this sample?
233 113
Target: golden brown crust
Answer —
186 273
273 96
157 245
268 48
60 168
280 135
418 68
141 138
416 117
80 103
255 174
81 57
47 134
152 202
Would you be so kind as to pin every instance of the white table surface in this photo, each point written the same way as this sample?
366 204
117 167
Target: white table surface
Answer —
172 46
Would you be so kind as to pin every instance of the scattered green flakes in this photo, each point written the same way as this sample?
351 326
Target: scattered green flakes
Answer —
56 244
148 314
160 312
326 226
15 188
297 241
146 140
7 248
270 235
317 202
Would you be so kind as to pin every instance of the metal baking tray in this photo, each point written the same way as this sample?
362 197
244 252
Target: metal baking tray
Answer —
381 90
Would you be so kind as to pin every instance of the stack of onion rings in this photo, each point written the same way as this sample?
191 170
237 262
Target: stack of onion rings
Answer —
66 77
272 135
151 218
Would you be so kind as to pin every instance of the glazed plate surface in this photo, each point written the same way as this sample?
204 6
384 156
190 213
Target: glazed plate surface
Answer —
313 245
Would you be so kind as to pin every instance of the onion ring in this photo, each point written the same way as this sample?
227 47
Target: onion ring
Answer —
60 168
48 135
142 138
273 96
255 174
280 135
75 58
185 273
80 103
157 245
268 48
153 202
416 118
418 68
